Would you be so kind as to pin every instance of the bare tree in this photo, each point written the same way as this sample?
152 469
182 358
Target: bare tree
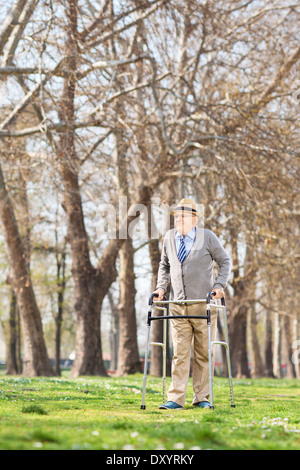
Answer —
36 361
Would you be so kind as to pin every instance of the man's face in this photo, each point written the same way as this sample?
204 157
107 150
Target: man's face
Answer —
184 222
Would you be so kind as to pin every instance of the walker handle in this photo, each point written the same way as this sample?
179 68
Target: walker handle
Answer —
208 298
154 295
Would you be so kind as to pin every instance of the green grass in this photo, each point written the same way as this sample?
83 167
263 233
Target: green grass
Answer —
104 413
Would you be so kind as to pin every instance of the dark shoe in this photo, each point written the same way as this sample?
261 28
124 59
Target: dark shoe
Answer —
170 405
203 404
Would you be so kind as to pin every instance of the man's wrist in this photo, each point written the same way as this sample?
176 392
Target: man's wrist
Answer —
218 286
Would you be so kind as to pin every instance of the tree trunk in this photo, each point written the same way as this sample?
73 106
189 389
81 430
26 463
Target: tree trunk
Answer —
13 350
269 345
36 361
277 347
238 318
128 356
288 343
88 350
61 284
114 333
257 369
238 351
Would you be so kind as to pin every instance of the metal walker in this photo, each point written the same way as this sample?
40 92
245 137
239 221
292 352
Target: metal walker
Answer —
165 317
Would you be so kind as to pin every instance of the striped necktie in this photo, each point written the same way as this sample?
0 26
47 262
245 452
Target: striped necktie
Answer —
182 250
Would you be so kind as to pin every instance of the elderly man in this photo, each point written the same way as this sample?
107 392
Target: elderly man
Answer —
187 261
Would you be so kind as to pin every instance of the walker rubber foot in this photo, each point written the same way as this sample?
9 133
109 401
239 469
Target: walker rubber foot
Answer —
212 407
143 407
232 406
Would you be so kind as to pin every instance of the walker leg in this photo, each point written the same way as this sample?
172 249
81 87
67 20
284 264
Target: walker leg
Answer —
230 378
143 406
163 345
164 383
164 359
210 367
228 361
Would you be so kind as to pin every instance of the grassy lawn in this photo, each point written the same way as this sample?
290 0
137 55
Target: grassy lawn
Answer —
104 413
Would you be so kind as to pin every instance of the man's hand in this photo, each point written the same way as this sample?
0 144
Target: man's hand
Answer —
160 293
219 293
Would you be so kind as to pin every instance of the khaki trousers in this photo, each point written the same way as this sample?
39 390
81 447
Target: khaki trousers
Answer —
186 332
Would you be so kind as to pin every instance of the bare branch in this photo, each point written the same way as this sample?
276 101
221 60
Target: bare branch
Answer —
13 70
99 65
10 22
266 96
83 34
110 34
17 32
